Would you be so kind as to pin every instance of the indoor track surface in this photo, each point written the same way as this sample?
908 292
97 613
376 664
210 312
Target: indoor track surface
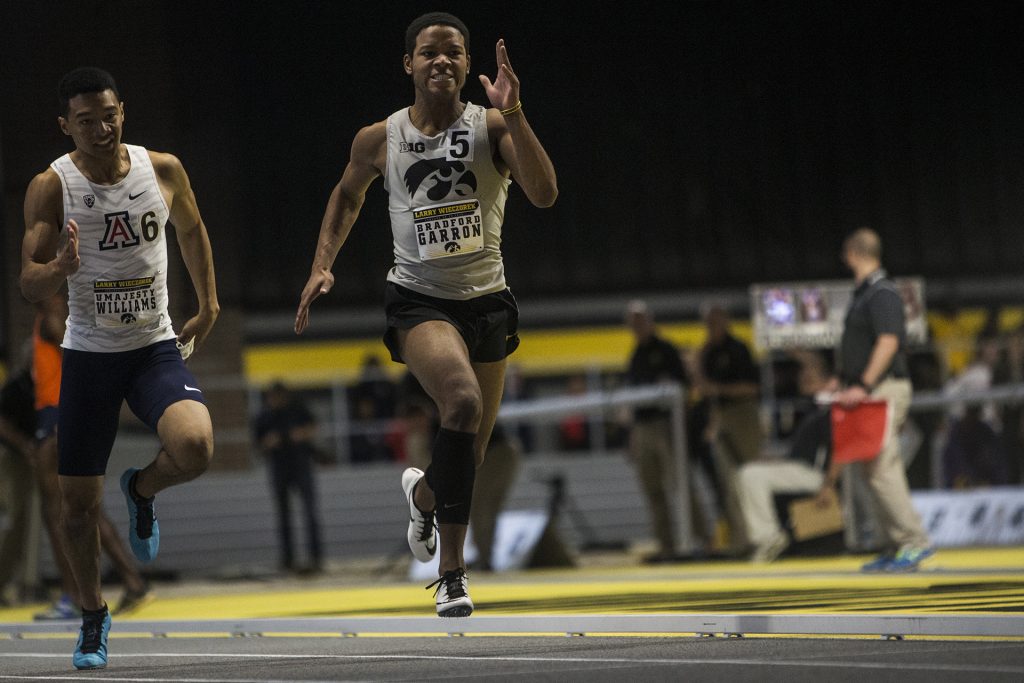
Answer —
960 618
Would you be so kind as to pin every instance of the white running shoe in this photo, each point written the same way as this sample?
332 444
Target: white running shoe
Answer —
421 535
452 594
770 550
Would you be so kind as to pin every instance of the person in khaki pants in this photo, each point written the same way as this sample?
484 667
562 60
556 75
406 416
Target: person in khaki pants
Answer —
654 360
728 379
872 366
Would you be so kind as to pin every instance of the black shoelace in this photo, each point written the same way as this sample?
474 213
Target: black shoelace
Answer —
144 517
454 584
427 526
92 630
144 511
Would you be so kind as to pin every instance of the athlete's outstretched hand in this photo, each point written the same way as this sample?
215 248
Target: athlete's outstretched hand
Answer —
67 259
320 282
504 91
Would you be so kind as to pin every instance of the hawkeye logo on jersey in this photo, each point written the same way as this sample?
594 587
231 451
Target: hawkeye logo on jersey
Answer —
438 179
119 233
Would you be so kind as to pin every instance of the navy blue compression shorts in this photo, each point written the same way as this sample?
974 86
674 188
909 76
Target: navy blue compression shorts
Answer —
92 388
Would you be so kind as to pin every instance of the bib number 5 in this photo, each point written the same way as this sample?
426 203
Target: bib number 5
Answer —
460 145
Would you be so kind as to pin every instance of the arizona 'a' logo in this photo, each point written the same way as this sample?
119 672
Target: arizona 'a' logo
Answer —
119 232
89 199
447 176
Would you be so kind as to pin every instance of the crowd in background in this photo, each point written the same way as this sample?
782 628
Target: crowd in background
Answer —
728 427
963 445
388 416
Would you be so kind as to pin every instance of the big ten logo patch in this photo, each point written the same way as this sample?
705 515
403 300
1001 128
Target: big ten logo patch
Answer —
417 147
121 233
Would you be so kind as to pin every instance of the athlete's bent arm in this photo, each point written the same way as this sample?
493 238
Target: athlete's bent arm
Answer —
46 261
365 164
517 144
194 243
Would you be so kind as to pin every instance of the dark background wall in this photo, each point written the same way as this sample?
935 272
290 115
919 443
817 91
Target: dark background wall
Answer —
712 144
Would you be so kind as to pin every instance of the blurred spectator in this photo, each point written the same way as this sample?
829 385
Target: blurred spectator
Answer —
375 386
574 430
729 380
17 423
1010 370
976 378
926 374
707 493
973 454
494 480
803 471
367 443
417 423
654 360
284 431
516 389
871 362
373 402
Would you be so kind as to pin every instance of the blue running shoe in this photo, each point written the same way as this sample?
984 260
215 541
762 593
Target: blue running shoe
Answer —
63 608
91 651
143 529
909 559
879 564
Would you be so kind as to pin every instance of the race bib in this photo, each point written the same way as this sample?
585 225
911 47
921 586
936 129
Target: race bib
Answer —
448 229
125 303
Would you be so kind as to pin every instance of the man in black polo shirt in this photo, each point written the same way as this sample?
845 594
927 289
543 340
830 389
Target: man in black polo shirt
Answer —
729 381
654 361
872 365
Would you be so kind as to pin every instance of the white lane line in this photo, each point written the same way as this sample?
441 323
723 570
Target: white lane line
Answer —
837 664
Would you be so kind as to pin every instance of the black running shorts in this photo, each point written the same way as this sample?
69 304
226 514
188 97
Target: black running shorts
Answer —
489 324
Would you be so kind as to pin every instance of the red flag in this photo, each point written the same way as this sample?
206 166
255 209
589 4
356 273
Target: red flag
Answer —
859 433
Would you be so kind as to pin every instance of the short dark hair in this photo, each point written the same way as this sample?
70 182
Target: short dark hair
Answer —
433 19
82 80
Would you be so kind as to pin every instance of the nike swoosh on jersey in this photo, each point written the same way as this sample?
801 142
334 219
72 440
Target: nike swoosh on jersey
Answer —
132 197
188 388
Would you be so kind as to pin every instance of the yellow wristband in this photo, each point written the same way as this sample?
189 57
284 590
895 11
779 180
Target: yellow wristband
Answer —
512 110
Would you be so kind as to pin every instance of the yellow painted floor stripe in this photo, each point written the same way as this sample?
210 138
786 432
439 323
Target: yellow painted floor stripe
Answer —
968 581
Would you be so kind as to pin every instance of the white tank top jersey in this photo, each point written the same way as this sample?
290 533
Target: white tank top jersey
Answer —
118 297
447 203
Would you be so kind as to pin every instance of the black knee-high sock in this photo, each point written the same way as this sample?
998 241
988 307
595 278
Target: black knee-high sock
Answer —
451 475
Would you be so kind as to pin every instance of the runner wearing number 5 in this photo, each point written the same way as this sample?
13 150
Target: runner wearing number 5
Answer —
450 316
